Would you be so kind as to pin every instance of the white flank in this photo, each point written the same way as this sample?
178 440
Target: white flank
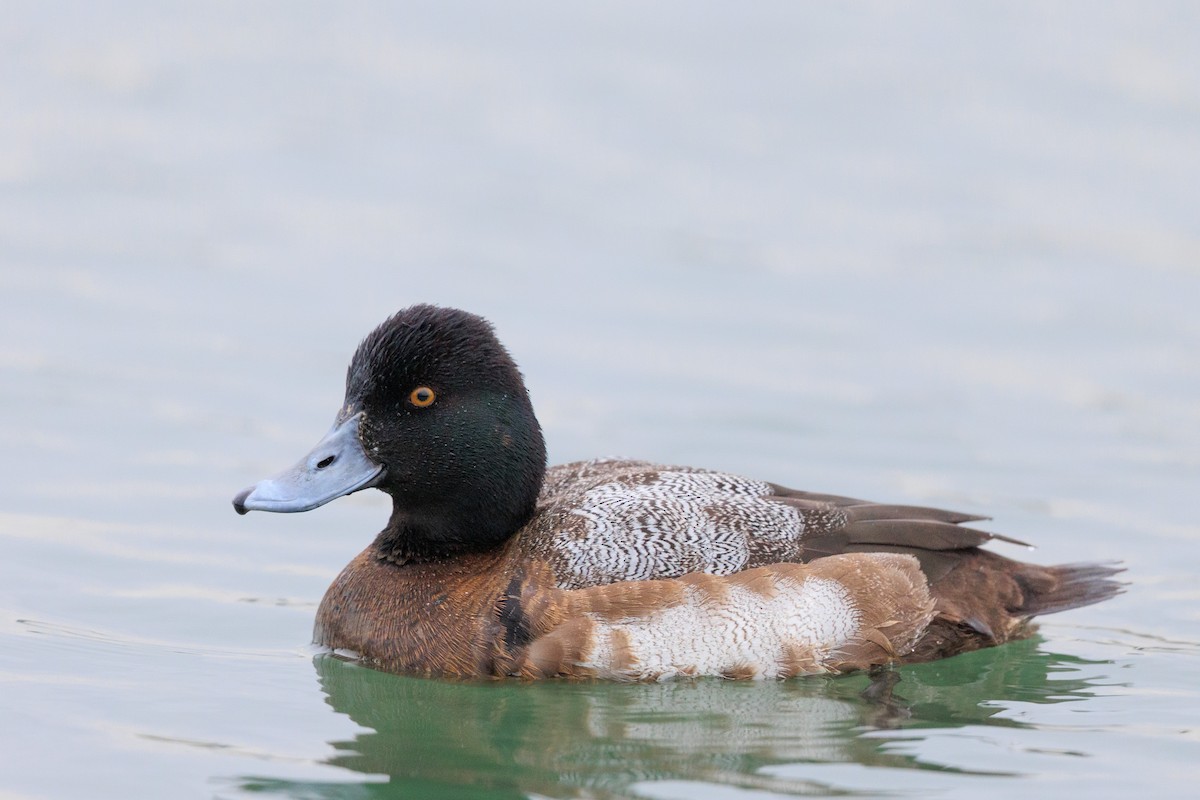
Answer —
744 630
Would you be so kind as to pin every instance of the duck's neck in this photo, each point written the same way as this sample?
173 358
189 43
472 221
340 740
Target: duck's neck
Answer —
468 524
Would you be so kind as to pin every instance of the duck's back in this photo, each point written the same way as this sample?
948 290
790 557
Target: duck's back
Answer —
604 521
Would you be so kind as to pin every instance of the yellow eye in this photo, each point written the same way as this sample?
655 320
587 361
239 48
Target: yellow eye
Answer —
422 397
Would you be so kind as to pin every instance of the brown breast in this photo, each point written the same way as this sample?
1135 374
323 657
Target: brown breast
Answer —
465 616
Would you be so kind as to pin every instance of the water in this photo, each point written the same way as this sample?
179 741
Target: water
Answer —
935 255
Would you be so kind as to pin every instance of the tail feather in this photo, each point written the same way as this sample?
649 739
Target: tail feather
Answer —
1068 586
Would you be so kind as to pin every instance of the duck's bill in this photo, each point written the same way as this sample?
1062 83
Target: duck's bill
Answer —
336 466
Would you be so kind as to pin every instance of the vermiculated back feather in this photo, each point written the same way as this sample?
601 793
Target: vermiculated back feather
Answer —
604 521
600 522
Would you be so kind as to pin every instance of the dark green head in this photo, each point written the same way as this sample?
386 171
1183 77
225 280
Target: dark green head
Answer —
436 415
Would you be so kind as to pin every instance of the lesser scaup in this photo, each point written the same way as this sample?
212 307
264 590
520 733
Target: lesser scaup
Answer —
493 565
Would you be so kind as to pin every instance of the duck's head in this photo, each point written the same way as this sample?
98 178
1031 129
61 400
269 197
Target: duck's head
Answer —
436 415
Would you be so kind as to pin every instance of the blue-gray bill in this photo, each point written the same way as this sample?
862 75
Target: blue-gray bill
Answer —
337 466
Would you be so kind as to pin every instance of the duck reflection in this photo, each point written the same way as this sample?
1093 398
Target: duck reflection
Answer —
429 738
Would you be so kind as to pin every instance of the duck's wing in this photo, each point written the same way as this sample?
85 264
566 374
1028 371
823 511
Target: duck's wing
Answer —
849 525
601 522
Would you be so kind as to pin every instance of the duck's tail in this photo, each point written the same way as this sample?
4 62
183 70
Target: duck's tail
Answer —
981 598
984 599
1048 590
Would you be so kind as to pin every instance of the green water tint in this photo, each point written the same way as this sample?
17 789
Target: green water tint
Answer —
431 738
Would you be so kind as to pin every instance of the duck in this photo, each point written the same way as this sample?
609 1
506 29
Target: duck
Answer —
493 565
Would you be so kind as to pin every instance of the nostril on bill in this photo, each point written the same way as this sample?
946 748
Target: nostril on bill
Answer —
326 461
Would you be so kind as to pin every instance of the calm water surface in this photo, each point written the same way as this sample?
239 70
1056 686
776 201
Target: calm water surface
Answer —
931 255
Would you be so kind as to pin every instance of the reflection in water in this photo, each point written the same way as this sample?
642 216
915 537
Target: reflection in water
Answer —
433 738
